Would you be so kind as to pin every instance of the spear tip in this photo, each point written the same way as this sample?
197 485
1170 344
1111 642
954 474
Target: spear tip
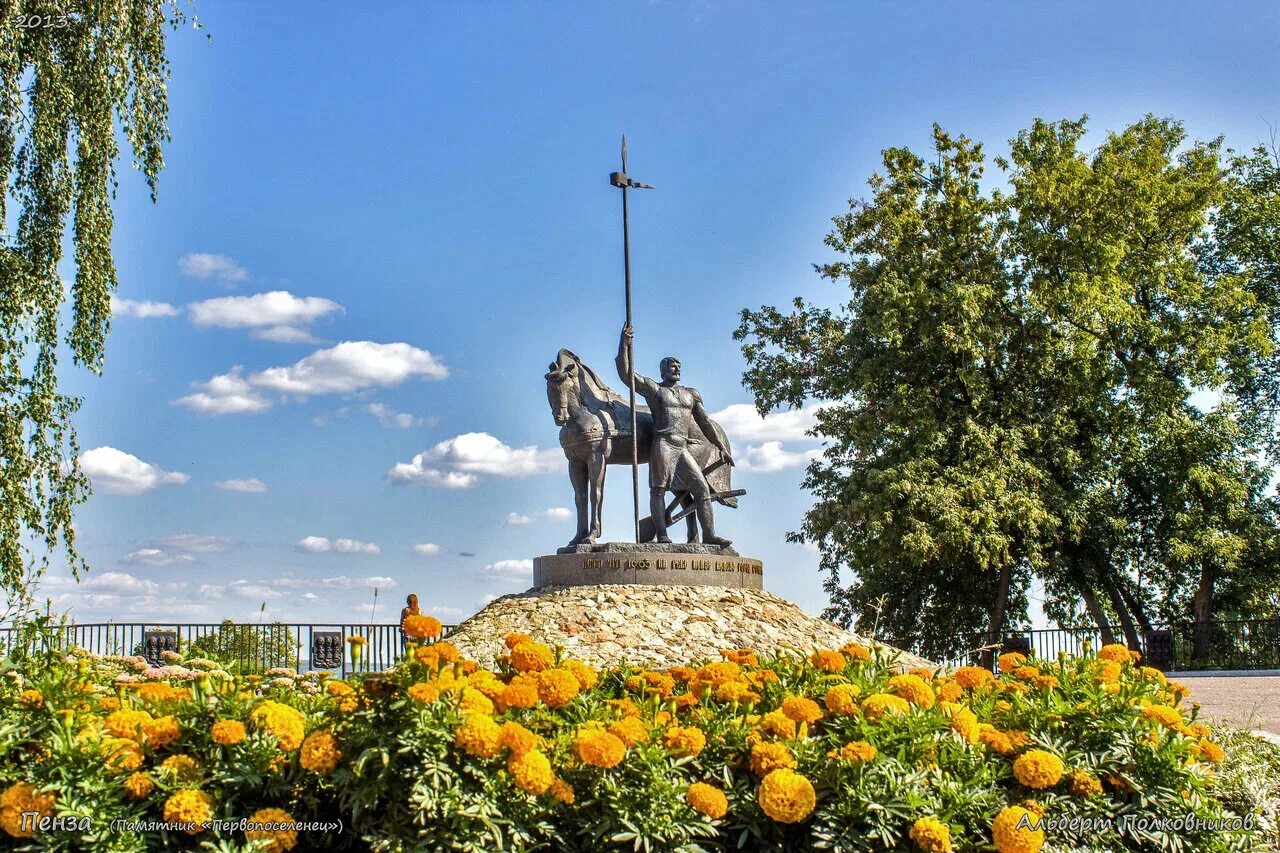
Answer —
624 152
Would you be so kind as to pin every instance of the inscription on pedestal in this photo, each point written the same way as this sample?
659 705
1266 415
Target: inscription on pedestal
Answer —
654 566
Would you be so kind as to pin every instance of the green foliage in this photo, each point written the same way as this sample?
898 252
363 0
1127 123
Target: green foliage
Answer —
67 91
247 648
1008 390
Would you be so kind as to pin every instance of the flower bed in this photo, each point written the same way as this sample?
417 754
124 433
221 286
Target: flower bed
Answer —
836 750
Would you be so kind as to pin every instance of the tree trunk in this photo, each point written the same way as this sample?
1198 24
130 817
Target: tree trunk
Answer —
1099 615
996 623
1126 621
1203 611
1135 606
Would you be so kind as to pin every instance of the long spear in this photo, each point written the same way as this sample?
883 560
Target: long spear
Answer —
623 182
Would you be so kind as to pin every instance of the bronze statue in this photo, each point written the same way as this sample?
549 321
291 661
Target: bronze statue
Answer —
675 410
595 431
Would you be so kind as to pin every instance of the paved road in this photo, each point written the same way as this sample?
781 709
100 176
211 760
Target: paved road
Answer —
1250 702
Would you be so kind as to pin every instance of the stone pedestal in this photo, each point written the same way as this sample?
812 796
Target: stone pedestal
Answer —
648 563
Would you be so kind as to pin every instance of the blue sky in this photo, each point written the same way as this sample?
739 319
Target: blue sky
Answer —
378 225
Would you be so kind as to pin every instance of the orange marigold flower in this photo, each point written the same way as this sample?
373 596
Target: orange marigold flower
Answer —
877 705
518 739
630 730
1038 768
786 796
1045 682
31 699
732 691
227 732
720 672
273 826
1164 715
827 661
1025 673
184 768
681 673
473 701
931 835
686 740
446 651
418 626
190 806
707 799
522 692
842 699
1114 652
1082 783
768 756
139 786
562 791
126 723
802 709
532 657
858 752
963 721
625 707
1009 661
319 752
121 753
973 677
424 692
557 687
855 652
598 748
778 724
1017 830
912 688
587 677
21 798
995 739
285 723
950 692
478 736
531 771
1211 751
513 639
160 732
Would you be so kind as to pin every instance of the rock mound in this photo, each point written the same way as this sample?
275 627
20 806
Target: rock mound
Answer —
652 625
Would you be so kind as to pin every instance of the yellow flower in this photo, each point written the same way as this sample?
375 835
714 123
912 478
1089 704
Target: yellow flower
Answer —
931 835
227 732
183 768
1017 830
684 740
786 796
478 736
1025 673
190 806
842 699
21 798
1114 652
1211 751
1082 783
518 739
720 672
273 826
598 748
801 709
285 723
707 799
531 772
995 739
586 676
126 723
1164 715
733 691
562 791
1009 661
121 753
778 724
522 692
418 626
513 639
826 661
31 699
1037 768
160 732
767 756
557 687
1108 673
914 689
139 786
630 730
963 721
424 692
950 692
974 677
877 705
858 752
474 702
1045 682
855 652
531 657
319 752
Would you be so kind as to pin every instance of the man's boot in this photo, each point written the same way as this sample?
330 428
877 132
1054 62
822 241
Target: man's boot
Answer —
658 512
707 523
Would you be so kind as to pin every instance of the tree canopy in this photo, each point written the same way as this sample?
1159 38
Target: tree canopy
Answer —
72 86
1017 384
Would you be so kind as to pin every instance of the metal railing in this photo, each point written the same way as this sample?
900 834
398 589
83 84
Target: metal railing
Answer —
1221 644
245 647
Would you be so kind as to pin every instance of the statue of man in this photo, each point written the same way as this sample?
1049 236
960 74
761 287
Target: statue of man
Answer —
674 408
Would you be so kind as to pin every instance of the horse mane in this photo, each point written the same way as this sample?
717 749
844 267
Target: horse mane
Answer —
590 382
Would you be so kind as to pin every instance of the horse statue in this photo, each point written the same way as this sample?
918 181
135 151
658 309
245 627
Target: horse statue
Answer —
595 431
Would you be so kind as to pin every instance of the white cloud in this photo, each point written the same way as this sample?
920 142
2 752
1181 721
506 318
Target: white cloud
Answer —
770 456
427 549
143 309
346 368
457 462
514 569
486 601
195 543
322 544
278 308
109 584
155 557
122 473
284 335
253 484
392 419
556 513
517 518
742 422
448 614
205 265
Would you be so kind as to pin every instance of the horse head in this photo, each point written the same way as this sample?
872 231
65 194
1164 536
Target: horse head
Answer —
562 387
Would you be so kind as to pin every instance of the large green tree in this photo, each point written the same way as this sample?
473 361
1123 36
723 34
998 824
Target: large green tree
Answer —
75 78
1010 384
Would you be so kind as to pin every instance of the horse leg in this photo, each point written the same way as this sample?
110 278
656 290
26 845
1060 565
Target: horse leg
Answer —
596 470
578 476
